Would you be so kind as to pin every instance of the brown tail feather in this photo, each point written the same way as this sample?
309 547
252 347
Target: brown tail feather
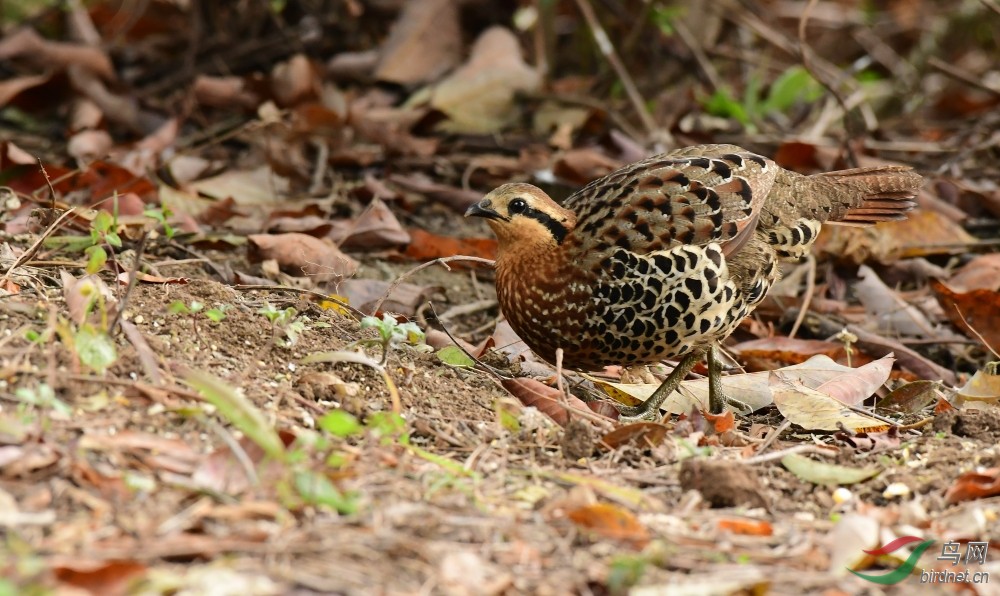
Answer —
880 193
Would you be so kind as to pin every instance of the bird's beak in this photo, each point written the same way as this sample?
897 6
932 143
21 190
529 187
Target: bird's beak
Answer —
482 209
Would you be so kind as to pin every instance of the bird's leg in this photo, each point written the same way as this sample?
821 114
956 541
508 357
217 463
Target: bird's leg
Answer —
650 409
717 399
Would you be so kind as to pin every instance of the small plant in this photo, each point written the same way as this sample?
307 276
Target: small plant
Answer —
794 86
89 340
285 321
42 396
392 334
103 231
161 214
192 309
103 236
216 315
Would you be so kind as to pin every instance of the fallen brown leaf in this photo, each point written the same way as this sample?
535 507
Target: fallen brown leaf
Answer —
425 246
302 255
642 434
974 485
548 400
478 97
424 43
100 577
611 521
746 527
977 313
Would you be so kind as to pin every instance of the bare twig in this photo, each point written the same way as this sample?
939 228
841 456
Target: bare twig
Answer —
810 290
608 50
133 276
990 5
760 459
26 255
806 54
706 66
960 75
773 436
52 191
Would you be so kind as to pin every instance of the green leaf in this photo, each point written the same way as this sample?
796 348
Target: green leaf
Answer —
43 396
793 86
103 221
269 312
386 424
340 423
95 349
722 103
178 308
826 474
113 239
454 356
316 489
96 258
238 410
216 315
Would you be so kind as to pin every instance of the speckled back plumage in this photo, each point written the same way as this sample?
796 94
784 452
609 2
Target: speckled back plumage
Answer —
669 253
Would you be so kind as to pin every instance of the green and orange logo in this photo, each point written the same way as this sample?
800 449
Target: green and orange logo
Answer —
903 571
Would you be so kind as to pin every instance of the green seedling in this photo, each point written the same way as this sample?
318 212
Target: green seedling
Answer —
42 396
392 334
103 232
161 214
285 322
216 315
90 340
193 309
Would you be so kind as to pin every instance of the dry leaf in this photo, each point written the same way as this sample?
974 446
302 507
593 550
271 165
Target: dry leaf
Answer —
114 578
981 273
977 313
974 485
548 400
425 246
82 294
405 298
611 521
984 385
376 227
294 80
425 42
860 383
893 315
27 44
478 97
260 186
814 410
642 434
746 527
922 233
302 255
14 86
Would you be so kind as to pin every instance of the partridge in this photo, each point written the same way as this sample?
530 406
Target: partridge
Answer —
664 257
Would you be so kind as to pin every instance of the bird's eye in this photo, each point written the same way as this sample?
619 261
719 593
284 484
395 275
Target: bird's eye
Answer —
517 206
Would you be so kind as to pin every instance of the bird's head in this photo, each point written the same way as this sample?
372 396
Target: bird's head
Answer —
522 215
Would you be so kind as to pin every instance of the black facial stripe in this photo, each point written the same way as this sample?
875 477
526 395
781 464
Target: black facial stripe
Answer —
557 230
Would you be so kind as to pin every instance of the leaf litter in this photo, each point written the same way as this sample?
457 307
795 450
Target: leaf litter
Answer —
280 186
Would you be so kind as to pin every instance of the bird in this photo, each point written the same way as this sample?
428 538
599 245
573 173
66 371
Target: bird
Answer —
663 258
